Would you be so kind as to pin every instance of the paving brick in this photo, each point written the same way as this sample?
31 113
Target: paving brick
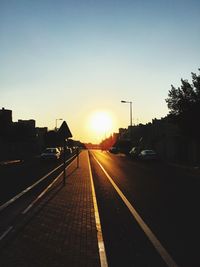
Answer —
62 232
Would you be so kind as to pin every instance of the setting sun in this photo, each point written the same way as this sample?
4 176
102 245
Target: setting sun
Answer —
101 122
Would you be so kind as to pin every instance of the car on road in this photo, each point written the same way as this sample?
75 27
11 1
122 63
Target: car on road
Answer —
147 154
51 153
134 152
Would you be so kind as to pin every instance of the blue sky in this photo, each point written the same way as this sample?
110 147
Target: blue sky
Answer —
66 59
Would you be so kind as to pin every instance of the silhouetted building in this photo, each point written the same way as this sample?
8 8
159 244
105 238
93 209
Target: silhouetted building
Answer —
165 137
41 135
24 130
17 139
27 123
5 117
5 121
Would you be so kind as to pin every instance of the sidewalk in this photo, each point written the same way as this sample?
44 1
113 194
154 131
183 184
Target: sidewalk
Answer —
60 231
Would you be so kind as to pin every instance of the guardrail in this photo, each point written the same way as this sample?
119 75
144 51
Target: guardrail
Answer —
12 200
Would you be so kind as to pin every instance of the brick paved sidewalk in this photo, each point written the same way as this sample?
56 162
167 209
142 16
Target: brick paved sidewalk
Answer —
63 231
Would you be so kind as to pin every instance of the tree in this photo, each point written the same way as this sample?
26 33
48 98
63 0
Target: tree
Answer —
184 105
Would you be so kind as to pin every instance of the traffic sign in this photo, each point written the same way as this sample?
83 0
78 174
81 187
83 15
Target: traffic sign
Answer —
64 131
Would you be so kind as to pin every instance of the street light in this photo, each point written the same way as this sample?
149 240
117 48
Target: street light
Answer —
129 102
56 123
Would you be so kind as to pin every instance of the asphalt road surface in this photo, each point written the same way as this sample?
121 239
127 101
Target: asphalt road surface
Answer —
148 210
167 200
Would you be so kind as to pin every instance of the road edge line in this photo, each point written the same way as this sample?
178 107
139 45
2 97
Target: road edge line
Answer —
101 246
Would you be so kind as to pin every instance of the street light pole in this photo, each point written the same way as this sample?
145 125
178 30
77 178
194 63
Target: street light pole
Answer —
56 123
131 121
129 102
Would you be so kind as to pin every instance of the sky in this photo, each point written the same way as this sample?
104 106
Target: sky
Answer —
69 59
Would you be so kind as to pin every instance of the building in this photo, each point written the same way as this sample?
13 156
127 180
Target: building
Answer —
5 121
17 139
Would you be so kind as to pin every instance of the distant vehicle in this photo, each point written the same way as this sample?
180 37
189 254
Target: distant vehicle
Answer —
134 152
147 154
51 153
113 150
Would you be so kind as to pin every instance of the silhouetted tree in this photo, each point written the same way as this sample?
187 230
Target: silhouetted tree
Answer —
184 105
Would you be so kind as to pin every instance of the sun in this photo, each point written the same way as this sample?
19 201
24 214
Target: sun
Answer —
101 122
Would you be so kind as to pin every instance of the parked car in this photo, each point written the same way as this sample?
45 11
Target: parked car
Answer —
60 148
147 154
51 153
134 152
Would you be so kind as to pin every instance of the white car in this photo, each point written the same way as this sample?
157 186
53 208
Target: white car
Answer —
51 153
147 154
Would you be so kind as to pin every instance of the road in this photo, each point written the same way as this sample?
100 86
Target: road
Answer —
148 210
165 197
16 177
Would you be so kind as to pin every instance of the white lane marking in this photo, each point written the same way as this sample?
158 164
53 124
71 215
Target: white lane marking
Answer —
30 187
6 232
44 191
102 252
155 242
